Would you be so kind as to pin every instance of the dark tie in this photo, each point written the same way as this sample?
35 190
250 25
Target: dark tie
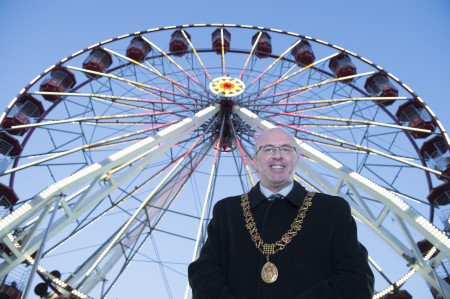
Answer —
275 196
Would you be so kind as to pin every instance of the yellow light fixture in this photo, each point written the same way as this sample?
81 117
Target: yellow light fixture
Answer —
227 87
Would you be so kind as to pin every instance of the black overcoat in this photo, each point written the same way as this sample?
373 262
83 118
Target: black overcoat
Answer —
324 261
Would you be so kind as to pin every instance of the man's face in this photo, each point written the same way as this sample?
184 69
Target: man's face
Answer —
275 170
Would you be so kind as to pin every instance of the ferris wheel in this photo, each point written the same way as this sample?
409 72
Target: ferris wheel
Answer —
112 159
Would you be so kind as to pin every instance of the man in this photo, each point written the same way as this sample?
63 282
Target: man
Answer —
301 246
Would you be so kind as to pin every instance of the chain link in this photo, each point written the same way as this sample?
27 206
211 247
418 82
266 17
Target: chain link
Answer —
268 249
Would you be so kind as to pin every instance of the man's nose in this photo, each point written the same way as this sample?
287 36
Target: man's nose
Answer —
277 153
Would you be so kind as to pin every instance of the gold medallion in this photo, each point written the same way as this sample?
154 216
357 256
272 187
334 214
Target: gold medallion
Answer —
269 272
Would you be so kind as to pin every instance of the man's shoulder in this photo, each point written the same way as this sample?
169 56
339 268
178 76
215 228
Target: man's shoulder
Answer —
230 200
227 206
330 200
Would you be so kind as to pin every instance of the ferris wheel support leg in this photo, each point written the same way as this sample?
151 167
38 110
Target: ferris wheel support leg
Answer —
159 197
42 202
40 250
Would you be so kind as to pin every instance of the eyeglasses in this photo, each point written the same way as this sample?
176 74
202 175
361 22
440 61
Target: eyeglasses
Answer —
270 149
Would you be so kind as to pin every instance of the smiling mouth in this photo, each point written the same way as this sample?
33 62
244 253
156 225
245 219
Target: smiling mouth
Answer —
277 167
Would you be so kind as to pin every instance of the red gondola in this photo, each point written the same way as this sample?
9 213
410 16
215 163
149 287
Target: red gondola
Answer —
178 44
10 291
138 49
59 80
379 85
440 195
425 246
264 47
8 197
303 53
436 153
98 61
23 112
9 146
414 114
342 66
217 40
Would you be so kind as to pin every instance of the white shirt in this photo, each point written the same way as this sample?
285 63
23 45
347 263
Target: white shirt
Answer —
285 191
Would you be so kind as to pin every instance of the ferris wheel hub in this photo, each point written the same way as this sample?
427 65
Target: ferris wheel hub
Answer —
227 86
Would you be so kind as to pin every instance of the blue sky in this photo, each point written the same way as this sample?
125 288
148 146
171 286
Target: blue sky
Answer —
407 38
410 39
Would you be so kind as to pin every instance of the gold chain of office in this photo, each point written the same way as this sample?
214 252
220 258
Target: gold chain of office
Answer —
272 248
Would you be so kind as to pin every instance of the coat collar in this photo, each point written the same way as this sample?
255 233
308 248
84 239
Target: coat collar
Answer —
295 197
